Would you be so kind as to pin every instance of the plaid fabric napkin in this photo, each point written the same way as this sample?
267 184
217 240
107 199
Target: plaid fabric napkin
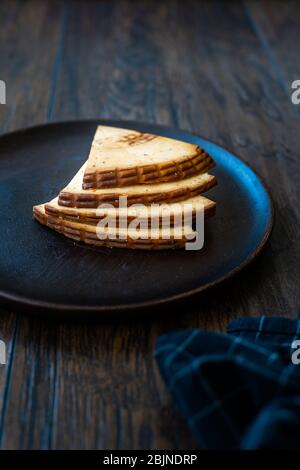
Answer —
238 390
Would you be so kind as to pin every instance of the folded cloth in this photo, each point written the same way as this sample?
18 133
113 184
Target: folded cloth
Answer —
240 389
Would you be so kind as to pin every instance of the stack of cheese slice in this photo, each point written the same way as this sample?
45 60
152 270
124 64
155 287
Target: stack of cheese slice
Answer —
132 191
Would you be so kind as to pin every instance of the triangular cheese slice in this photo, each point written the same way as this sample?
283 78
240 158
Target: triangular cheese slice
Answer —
123 157
74 196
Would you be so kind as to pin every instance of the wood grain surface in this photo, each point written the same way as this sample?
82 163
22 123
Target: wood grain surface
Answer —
220 69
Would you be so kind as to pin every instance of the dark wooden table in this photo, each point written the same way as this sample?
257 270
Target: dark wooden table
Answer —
220 69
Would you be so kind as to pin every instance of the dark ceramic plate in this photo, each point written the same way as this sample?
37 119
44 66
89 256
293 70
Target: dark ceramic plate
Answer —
42 269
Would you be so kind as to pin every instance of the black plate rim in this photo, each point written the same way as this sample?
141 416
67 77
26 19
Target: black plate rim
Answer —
68 308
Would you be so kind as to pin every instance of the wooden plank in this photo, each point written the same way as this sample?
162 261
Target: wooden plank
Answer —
30 33
8 334
277 27
115 72
29 38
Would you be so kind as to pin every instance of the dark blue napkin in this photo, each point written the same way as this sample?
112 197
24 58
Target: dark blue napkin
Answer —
240 389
